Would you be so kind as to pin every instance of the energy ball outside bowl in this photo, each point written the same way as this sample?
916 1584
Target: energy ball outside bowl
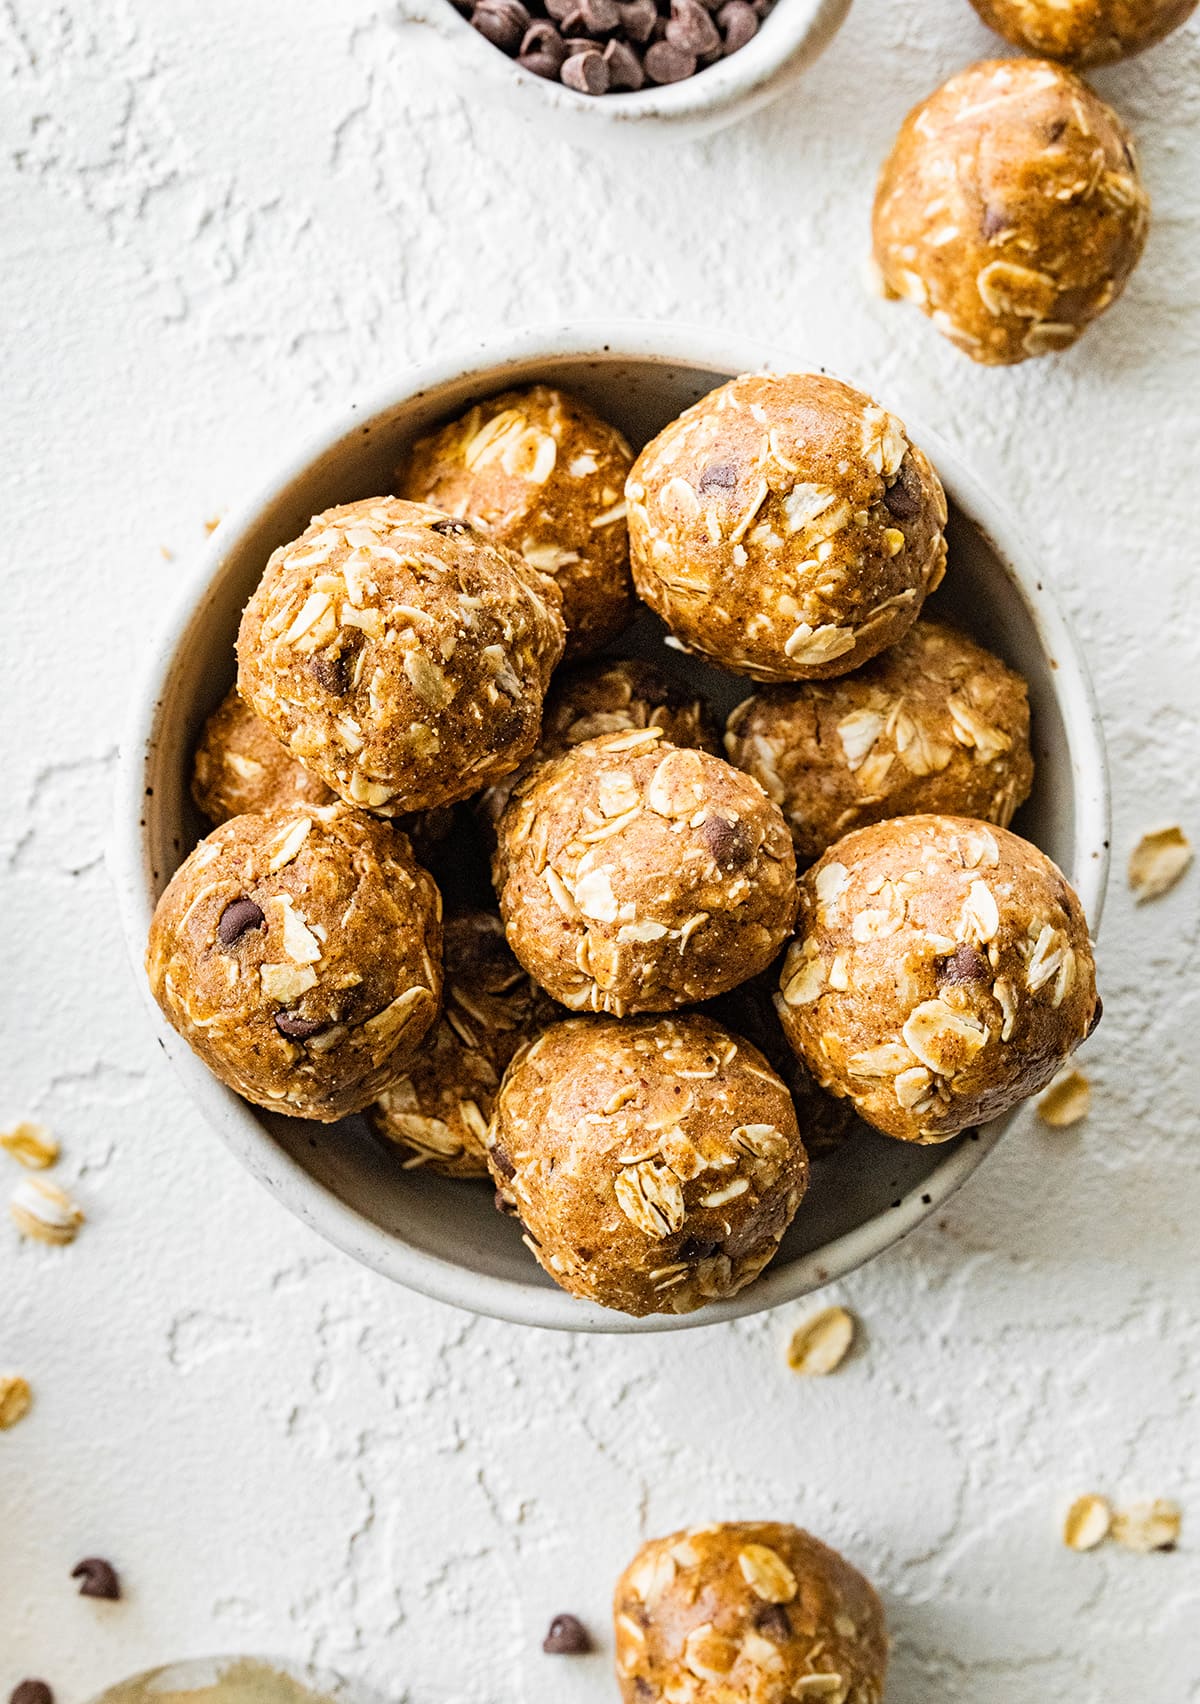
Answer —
1084 32
610 697
654 1163
747 1612
400 654
941 973
785 527
299 955
541 472
637 876
437 1113
936 724
1010 209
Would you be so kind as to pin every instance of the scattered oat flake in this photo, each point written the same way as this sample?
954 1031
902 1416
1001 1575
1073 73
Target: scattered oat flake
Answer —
30 1144
1157 862
1088 1522
1066 1101
43 1211
15 1397
1148 1526
821 1344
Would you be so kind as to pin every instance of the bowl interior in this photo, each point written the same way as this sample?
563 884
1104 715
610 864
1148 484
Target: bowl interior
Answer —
445 1237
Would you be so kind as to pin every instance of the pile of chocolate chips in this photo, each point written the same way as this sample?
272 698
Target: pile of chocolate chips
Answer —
601 47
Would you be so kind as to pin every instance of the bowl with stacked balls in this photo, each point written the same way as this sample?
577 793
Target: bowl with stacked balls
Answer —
611 830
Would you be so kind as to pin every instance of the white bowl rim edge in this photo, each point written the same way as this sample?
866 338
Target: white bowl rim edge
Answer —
235 1122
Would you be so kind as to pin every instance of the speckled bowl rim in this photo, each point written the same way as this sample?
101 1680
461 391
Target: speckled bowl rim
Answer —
795 34
235 1121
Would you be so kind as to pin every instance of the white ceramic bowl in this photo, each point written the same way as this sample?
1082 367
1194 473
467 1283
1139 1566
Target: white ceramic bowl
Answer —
441 1237
791 37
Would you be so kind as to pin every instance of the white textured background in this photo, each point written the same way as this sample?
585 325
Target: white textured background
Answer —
217 221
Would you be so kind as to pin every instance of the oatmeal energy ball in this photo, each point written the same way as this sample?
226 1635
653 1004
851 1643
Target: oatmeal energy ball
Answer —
655 1164
1084 32
400 654
785 527
240 767
438 1112
941 972
299 955
636 876
610 697
1010 209
543 474
935 724
747 1612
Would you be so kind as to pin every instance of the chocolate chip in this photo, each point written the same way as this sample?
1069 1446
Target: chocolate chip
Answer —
568 1637
501 1161
624 66
560 9
504 1205
718 476
739 24
502 22
1097 1014
31 1692
586 73
331 671
638 18
449 525
903 497
97 1578
994 220
239 916
772 1619
729 842
542 37
1057 130
296 1028
966 964
667 63
691 28
694 1249
598 17
541 63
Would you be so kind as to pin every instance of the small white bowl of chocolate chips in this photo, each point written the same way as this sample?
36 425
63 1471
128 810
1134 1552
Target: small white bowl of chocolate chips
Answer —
682 66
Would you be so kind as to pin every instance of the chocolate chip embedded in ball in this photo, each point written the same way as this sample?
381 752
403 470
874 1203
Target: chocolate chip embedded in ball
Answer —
1041 213
712 1613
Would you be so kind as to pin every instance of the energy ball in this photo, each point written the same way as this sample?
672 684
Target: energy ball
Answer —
538 470
637 876
785 527
941 973
241 768
1084 32
610 697
1010 209
747 1612
935 724
298 953
400 654
437 1113
655 1164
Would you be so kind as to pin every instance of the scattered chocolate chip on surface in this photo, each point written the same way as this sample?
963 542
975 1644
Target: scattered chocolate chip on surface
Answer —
31 1692
568 1637
97 1579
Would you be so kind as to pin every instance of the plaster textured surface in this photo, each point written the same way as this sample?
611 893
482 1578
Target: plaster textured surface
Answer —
218 222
